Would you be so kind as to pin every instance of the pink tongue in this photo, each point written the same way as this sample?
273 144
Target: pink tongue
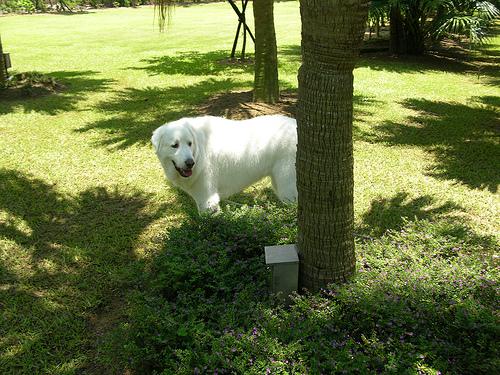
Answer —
188 173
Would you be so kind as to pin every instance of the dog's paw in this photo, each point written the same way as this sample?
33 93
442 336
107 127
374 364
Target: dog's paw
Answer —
210 211
210 207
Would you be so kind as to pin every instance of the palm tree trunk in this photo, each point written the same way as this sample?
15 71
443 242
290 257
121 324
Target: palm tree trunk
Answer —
397 44
266 56
332 33
3 70
414 18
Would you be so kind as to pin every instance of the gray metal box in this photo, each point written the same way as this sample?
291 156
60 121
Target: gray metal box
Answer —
284 263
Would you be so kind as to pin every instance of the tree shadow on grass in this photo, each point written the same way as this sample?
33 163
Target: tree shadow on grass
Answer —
453 60
194 63
462 138
398 64
76 86
137 112
65 259
414 64
290 53
393 212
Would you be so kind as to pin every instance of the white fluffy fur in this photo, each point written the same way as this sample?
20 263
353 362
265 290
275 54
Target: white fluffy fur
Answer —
228 156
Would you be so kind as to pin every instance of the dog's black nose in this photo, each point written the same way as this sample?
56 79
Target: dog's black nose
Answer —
189 163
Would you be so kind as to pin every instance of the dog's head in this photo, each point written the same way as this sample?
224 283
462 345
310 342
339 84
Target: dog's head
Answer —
176 147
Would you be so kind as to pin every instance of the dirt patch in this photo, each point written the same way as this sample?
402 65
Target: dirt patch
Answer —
100 323
238 105
236 62
103 320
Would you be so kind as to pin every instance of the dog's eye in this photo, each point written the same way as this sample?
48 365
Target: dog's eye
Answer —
190 144
175 145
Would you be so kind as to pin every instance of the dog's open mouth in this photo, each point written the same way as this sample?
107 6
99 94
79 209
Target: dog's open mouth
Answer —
183 172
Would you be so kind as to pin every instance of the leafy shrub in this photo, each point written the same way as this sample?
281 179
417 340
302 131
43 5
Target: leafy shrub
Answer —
12 6
423 301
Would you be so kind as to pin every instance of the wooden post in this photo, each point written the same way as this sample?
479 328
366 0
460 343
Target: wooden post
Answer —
244 4
3 68
241 21
235 43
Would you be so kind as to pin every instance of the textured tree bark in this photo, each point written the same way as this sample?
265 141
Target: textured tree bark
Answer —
414 28
3 70
266 56
407 28
397 43
332 33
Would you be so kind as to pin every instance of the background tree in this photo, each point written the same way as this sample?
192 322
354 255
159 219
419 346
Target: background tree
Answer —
397 40
376 16
266 54
266 87
332 33
417 24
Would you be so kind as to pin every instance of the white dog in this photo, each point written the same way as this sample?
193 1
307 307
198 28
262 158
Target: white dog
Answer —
211 158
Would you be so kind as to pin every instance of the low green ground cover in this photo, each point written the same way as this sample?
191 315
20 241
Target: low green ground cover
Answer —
104 267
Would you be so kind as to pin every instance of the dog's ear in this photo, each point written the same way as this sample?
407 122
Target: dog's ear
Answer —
156 139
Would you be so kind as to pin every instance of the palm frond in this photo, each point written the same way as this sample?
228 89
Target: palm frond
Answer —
487 10
466 17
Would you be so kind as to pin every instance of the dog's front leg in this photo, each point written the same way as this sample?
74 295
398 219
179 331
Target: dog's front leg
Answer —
210 204
207 199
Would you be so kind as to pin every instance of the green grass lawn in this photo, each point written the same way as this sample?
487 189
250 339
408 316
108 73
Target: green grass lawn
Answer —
104 267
